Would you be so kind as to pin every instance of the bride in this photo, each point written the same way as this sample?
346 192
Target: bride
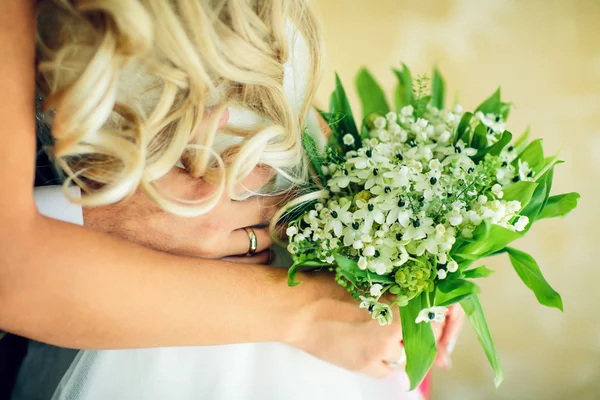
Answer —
135 88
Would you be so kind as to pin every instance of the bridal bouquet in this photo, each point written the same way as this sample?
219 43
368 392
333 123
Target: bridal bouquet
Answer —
411 200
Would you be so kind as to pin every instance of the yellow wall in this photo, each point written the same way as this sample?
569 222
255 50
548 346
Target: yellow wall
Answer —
546 56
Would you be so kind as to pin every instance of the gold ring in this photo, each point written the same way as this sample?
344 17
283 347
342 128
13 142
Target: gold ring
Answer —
253 241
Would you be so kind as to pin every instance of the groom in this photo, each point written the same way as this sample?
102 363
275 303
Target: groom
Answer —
31 370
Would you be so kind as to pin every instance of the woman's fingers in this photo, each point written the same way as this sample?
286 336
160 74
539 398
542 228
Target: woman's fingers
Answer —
257 210
453 324
263 258
238 242
258 177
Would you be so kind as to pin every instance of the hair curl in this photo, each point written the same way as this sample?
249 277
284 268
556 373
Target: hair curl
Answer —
128 82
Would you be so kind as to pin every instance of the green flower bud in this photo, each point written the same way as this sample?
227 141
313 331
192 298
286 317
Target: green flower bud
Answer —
413 279
364 195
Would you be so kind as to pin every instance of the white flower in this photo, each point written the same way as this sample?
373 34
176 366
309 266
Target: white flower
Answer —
521 223
441 274
462 149
419 228
440 229
407 111
369 251
381 268
458 109
455 217
370 213
442 258
497 190
379 123
348 139
492 121
291 231
399 177
391 116
452 266
383 313
473 217
435 164
513 206
340 216
362 263
376 290
358 244
436 314
525 171
367 302
445 137
482 199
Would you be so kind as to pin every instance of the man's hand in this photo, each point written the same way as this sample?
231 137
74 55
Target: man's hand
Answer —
217 234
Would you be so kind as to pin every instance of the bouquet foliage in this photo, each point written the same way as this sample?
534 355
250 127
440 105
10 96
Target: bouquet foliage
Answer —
413 198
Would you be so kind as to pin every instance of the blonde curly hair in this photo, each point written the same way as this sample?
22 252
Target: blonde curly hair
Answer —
127 83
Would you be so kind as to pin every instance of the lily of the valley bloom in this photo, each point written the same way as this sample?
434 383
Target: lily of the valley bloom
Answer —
521 223
397 205
376 290
435 314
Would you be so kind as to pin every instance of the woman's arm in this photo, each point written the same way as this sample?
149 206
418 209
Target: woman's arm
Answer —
71 286
74 287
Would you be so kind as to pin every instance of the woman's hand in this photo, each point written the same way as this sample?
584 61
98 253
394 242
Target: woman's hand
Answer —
333 328
216 235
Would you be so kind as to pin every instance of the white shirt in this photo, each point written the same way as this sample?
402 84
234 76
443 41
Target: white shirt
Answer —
52 203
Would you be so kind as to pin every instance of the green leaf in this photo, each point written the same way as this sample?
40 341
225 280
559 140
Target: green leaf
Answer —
313 155
339 105
349 268
492 105
449 285
476 317
403 95
533 154
419 342
494 149
521 191
521 142
462 132
488 242
372 97
451 291
479 140
376 278
532 277
560 205
505 110
479 272
539 198
438 90
292 272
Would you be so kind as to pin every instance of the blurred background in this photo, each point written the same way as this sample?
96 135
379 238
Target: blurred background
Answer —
546 56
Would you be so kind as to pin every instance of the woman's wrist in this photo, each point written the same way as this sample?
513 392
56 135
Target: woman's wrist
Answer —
307 301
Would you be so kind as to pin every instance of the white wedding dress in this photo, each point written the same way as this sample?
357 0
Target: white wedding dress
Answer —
261 371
